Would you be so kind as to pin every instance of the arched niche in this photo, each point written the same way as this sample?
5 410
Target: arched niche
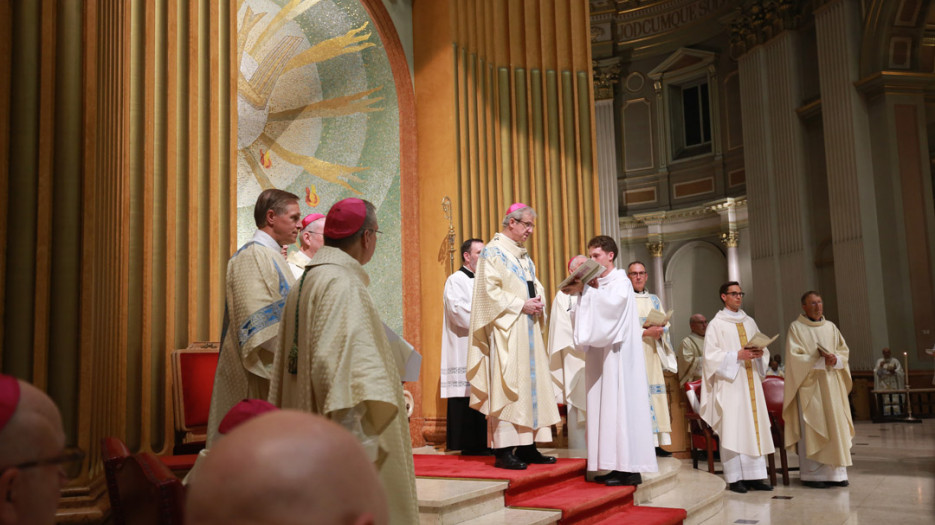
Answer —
693 274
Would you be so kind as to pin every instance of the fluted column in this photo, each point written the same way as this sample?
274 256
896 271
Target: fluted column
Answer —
858 272
774 159
657 273
607 168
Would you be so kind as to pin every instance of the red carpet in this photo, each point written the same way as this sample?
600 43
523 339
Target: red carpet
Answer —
560 486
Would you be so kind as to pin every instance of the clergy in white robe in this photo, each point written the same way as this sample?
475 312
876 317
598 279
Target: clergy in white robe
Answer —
732 400
258 279
690 354
608 331
311 238
508 366
816 411
888 374
466 428
567 364
334 357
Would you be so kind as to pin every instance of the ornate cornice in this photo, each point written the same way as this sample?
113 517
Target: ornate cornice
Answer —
761 20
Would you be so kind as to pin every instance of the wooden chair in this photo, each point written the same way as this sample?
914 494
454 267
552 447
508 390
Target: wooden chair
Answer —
702 436
773 388
141 489
193 371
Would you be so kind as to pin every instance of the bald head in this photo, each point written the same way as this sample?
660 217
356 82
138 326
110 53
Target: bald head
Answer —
698 324
575 262
33 433
283 467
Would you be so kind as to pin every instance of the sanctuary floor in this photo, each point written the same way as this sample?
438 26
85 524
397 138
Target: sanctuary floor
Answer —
892 481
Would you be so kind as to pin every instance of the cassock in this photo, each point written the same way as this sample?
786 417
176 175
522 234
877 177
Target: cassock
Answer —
658 356
607 329
466 427
297 262
508 366
690 357
567 364
815 408
888 375
258 280
732 400
334 359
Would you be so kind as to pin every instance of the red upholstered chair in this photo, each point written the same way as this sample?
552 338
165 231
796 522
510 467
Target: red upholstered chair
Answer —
149 493
193 371
773 388
702 436
114 453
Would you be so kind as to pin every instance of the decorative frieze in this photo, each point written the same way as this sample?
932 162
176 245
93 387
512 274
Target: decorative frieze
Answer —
761 20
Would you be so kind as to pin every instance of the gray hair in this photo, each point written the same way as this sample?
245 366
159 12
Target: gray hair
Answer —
518 215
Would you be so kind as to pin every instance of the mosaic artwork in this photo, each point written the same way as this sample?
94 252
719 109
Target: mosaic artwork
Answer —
318 116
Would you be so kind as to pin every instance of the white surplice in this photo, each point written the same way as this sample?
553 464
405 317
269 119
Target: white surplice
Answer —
567 365
608 331
297 262
741 423
456 327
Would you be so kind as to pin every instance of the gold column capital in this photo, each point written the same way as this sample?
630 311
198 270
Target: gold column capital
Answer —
655 248
730 239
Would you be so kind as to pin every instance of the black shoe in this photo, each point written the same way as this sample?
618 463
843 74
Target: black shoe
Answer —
624 478
663 453
757 485
508 461
530 454
604 477
837 483
738 487
815 484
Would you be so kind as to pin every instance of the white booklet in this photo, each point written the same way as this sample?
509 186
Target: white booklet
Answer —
760 340
587 271
657 318
408 360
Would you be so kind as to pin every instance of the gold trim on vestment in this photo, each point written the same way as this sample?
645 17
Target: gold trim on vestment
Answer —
748 365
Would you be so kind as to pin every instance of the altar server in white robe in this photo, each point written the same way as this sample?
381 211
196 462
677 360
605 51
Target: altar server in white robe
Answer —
732 400
466 428
815 408
258 280
608 331
567 364
508 366
311 238
888 375
658 354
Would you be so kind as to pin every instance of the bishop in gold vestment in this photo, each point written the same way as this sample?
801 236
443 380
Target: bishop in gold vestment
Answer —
815 407
334 358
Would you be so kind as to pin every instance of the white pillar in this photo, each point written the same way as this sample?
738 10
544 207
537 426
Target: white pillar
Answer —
607 168
730 240
656 273
858 269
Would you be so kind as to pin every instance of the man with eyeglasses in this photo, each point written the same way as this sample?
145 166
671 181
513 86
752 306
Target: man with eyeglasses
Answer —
311 238
334 357
732 401
691 350
32 454
508 367
658 356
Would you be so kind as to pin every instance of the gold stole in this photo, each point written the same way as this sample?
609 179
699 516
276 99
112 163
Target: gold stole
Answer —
748 365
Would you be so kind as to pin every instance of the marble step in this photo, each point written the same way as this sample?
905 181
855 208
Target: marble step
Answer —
449 501
514 516
701 494
658 483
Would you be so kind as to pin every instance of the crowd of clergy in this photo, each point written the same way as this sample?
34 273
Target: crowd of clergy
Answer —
303 338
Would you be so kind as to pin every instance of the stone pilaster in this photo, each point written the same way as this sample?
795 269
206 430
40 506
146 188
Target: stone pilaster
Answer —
607 168
855 236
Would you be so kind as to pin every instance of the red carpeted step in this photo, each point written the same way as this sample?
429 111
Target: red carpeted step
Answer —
644 515
580 501
532 480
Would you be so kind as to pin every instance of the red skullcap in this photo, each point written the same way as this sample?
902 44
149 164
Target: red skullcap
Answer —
515 206
571 261
310 218
345 218
9 398
243 412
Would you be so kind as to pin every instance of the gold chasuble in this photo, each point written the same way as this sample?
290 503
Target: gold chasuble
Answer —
820 391
343 368
258 280
659 356
508 366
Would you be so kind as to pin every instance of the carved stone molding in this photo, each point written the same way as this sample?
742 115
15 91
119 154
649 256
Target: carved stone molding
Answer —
761 20
606 76
730 239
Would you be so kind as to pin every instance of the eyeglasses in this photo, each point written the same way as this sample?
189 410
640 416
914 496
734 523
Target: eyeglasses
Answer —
70 462
374 230
638 274
529 225
735 294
